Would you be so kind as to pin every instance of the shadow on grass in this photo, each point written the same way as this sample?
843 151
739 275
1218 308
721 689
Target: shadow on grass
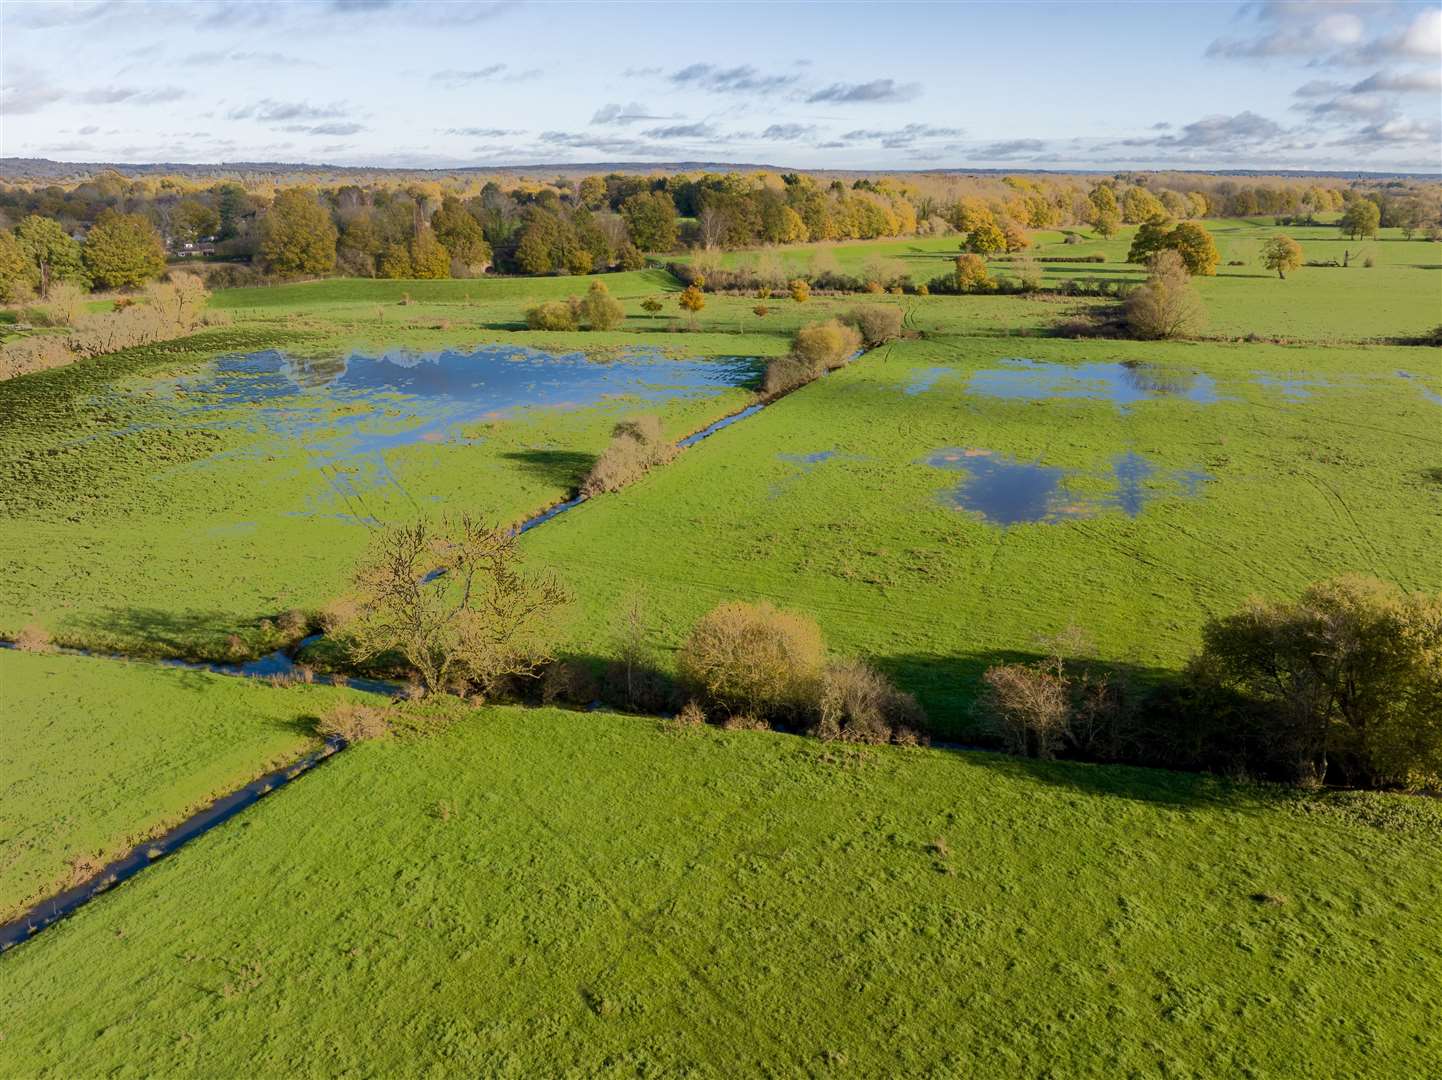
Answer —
153 632
948 685
560 468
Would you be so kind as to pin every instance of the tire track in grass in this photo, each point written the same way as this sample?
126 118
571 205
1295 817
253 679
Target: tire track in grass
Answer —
1356 534
635 923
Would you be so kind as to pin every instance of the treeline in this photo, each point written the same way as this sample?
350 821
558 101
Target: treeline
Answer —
598 223
1342 686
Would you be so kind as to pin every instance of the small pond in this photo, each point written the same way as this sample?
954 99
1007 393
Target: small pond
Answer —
360 405
1005 491
1123 384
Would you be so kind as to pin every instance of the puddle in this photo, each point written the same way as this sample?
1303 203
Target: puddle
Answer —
1427 392
139 857
351 411
1005 491
923 381
1123 384
1298 389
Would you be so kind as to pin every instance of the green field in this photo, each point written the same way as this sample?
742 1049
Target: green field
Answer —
1294 489
545 893
101 755
1400 295
559 893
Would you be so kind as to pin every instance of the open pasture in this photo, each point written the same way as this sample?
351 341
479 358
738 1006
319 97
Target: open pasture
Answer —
102 754
543 892
944 503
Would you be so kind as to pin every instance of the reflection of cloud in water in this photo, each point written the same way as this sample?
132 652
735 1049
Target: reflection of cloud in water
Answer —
1427 392
1123 384
348 412
349 407
1292 389
1005 491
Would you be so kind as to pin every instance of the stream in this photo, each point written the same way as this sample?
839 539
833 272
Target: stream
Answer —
280 663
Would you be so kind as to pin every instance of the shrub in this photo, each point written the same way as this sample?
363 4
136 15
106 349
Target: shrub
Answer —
567 682
761 311
878 323
971 274
637 446
65 303
651 306
352 723
784 374
27 354
1167 305
630 257
858 704
691 715
692 299
551 315
800 291
602 310
454 604
1028 706
754 659
1347 680
826 345
34 638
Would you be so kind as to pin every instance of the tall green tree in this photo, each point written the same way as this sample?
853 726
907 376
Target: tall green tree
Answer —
193 219
298 235
651 220
17 275
1361 219
460 233
123 251
52 255
1281 253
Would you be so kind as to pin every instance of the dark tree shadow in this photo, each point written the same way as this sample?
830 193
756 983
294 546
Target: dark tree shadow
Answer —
560 468
154 632
947 686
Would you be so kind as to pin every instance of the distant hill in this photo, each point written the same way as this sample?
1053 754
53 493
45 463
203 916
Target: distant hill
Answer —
17 168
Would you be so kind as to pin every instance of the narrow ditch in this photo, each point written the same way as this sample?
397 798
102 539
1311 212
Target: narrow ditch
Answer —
280 663
51 910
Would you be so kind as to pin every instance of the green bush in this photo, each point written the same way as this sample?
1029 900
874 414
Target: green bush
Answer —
877 323
754 660
551 315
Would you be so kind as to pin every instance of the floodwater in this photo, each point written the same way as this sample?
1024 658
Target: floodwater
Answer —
1293 389
361 406
1123 384
1005 491
923 381
1427 392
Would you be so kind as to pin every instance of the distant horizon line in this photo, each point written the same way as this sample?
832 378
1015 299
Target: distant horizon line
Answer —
14 162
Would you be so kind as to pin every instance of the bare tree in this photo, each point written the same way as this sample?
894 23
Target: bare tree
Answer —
455 605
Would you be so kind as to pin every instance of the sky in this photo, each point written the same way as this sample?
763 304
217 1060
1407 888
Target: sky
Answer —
444 83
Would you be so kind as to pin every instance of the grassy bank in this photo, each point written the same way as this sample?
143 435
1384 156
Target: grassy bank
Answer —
101 755
541 892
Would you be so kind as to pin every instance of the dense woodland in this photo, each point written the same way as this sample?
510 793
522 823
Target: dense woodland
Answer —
111 231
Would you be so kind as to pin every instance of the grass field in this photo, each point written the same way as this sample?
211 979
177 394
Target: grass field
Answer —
543 893
1292 488
589 894
149 521
100 755
1400 295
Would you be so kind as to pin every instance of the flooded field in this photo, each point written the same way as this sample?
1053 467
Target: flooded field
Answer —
1005 491
351 407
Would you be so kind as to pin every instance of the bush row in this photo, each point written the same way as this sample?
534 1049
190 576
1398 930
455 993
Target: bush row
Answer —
167 310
